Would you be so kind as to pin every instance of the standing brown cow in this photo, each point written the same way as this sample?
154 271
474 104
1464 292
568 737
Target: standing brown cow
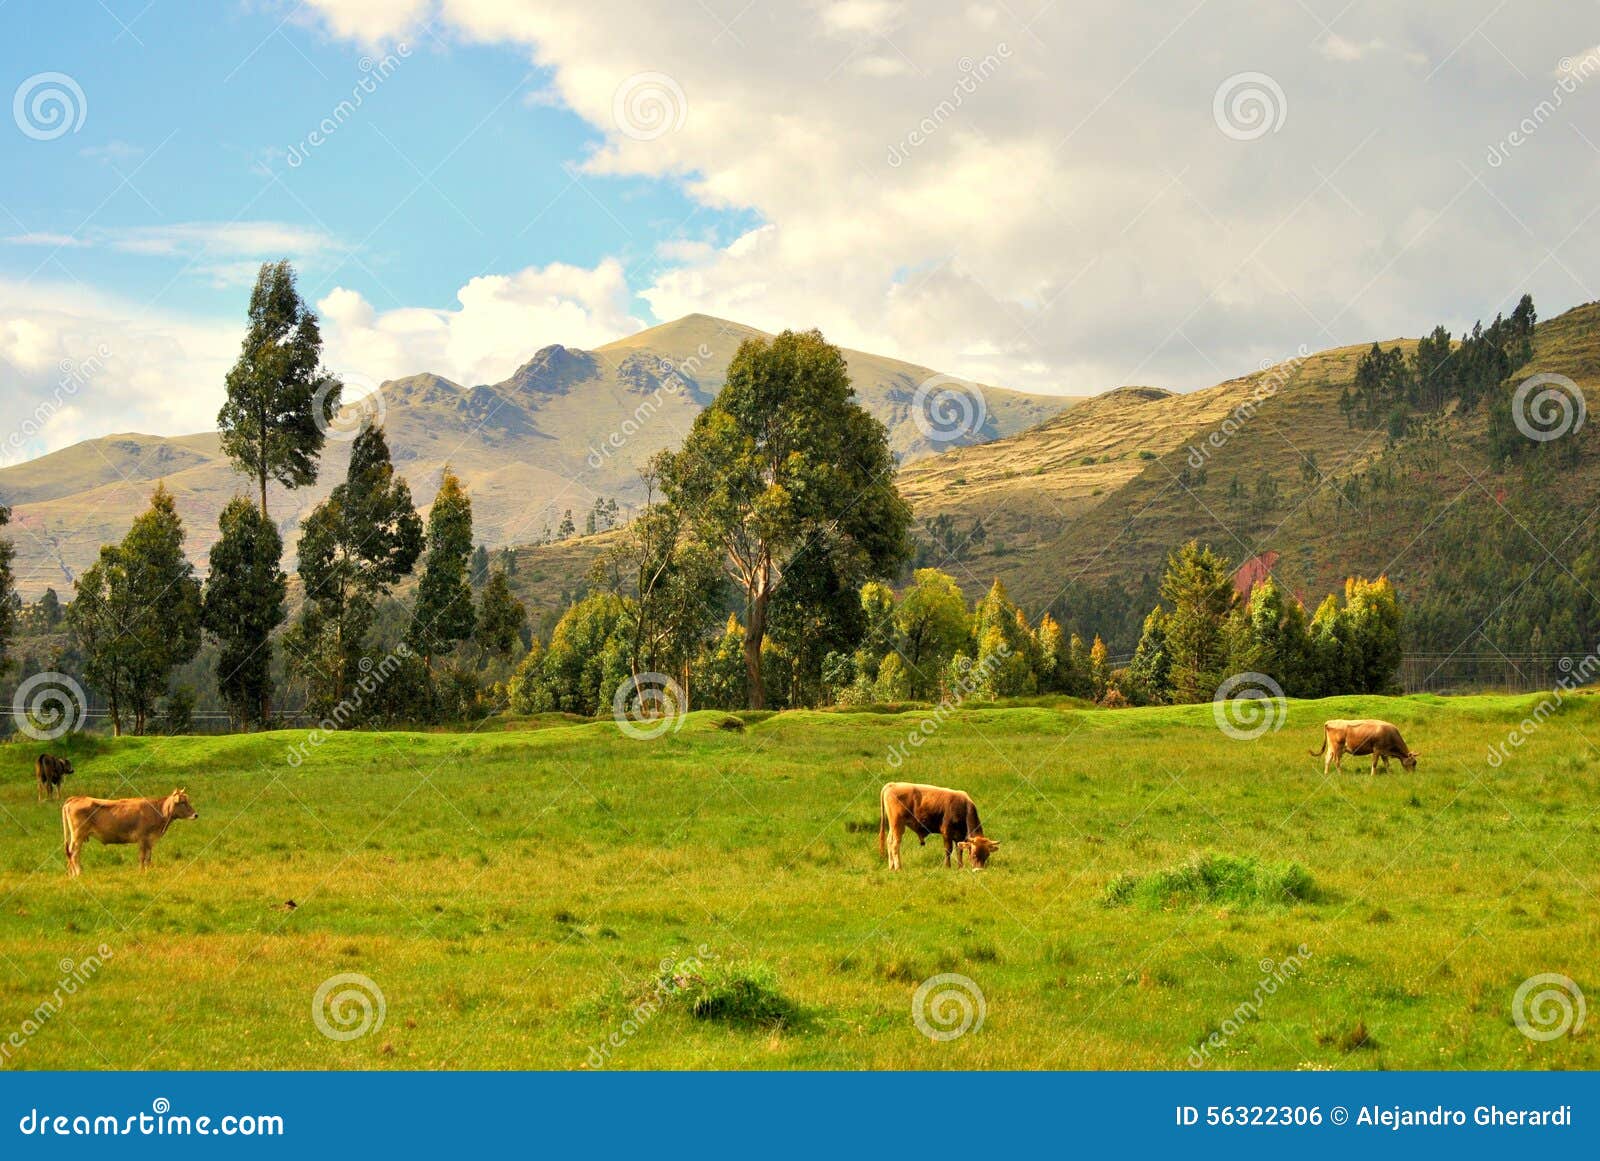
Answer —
50 770
1361 737
121 820
926 810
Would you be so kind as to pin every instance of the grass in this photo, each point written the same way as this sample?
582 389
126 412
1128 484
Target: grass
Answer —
515 895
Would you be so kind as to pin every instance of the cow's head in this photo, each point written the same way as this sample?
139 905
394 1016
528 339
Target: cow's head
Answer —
64 766
179 806
1409 762
980 849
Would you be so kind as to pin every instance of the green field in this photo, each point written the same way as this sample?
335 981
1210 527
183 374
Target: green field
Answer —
514 892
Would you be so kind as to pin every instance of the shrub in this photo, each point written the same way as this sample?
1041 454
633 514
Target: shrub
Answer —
738 992
1242 880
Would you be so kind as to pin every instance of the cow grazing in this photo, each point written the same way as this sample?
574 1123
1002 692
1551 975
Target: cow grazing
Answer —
1367 736
50 770
926 810
121 820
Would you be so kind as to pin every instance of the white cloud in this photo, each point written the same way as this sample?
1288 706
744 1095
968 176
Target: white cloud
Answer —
1069 217
500 322
75 364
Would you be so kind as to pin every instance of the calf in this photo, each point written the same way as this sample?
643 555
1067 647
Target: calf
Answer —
120 820
50 770
1362 737
926 810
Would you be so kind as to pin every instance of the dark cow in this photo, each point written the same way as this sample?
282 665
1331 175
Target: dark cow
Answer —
50 770
120 820
926 810
1362 737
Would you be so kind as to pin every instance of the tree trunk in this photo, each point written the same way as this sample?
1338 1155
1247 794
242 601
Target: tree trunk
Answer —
754 632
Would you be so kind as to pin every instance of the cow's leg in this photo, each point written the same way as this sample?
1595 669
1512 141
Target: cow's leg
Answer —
949 845
894 845
144 855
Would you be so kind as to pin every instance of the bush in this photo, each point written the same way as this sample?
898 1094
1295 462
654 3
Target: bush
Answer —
1242 880
738 992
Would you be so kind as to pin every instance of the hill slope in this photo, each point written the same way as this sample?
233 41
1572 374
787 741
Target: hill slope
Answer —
567 427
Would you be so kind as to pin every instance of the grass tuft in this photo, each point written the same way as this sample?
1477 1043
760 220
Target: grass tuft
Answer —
740 992
1242 880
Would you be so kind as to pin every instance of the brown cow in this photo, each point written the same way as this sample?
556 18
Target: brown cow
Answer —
929 810
1362 737
121 820
50 770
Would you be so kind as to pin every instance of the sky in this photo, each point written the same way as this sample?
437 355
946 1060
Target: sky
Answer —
1055 197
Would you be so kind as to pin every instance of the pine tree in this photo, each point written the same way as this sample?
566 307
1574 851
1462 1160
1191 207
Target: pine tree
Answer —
279 398
243 605
1199 588
444 612
137 616
1150 671
500 617
354 547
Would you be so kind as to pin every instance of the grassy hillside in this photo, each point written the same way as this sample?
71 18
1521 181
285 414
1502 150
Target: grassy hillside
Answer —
514 894
567 427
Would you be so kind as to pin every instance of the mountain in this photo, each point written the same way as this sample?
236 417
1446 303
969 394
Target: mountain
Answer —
567 427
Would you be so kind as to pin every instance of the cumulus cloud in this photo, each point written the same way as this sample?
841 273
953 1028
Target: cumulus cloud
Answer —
499 322
1044 199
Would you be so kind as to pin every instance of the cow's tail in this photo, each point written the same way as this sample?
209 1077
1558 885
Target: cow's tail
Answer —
1317 753
883 824
66 829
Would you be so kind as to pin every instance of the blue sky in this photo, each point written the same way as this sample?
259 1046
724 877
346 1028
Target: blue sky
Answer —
453 166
